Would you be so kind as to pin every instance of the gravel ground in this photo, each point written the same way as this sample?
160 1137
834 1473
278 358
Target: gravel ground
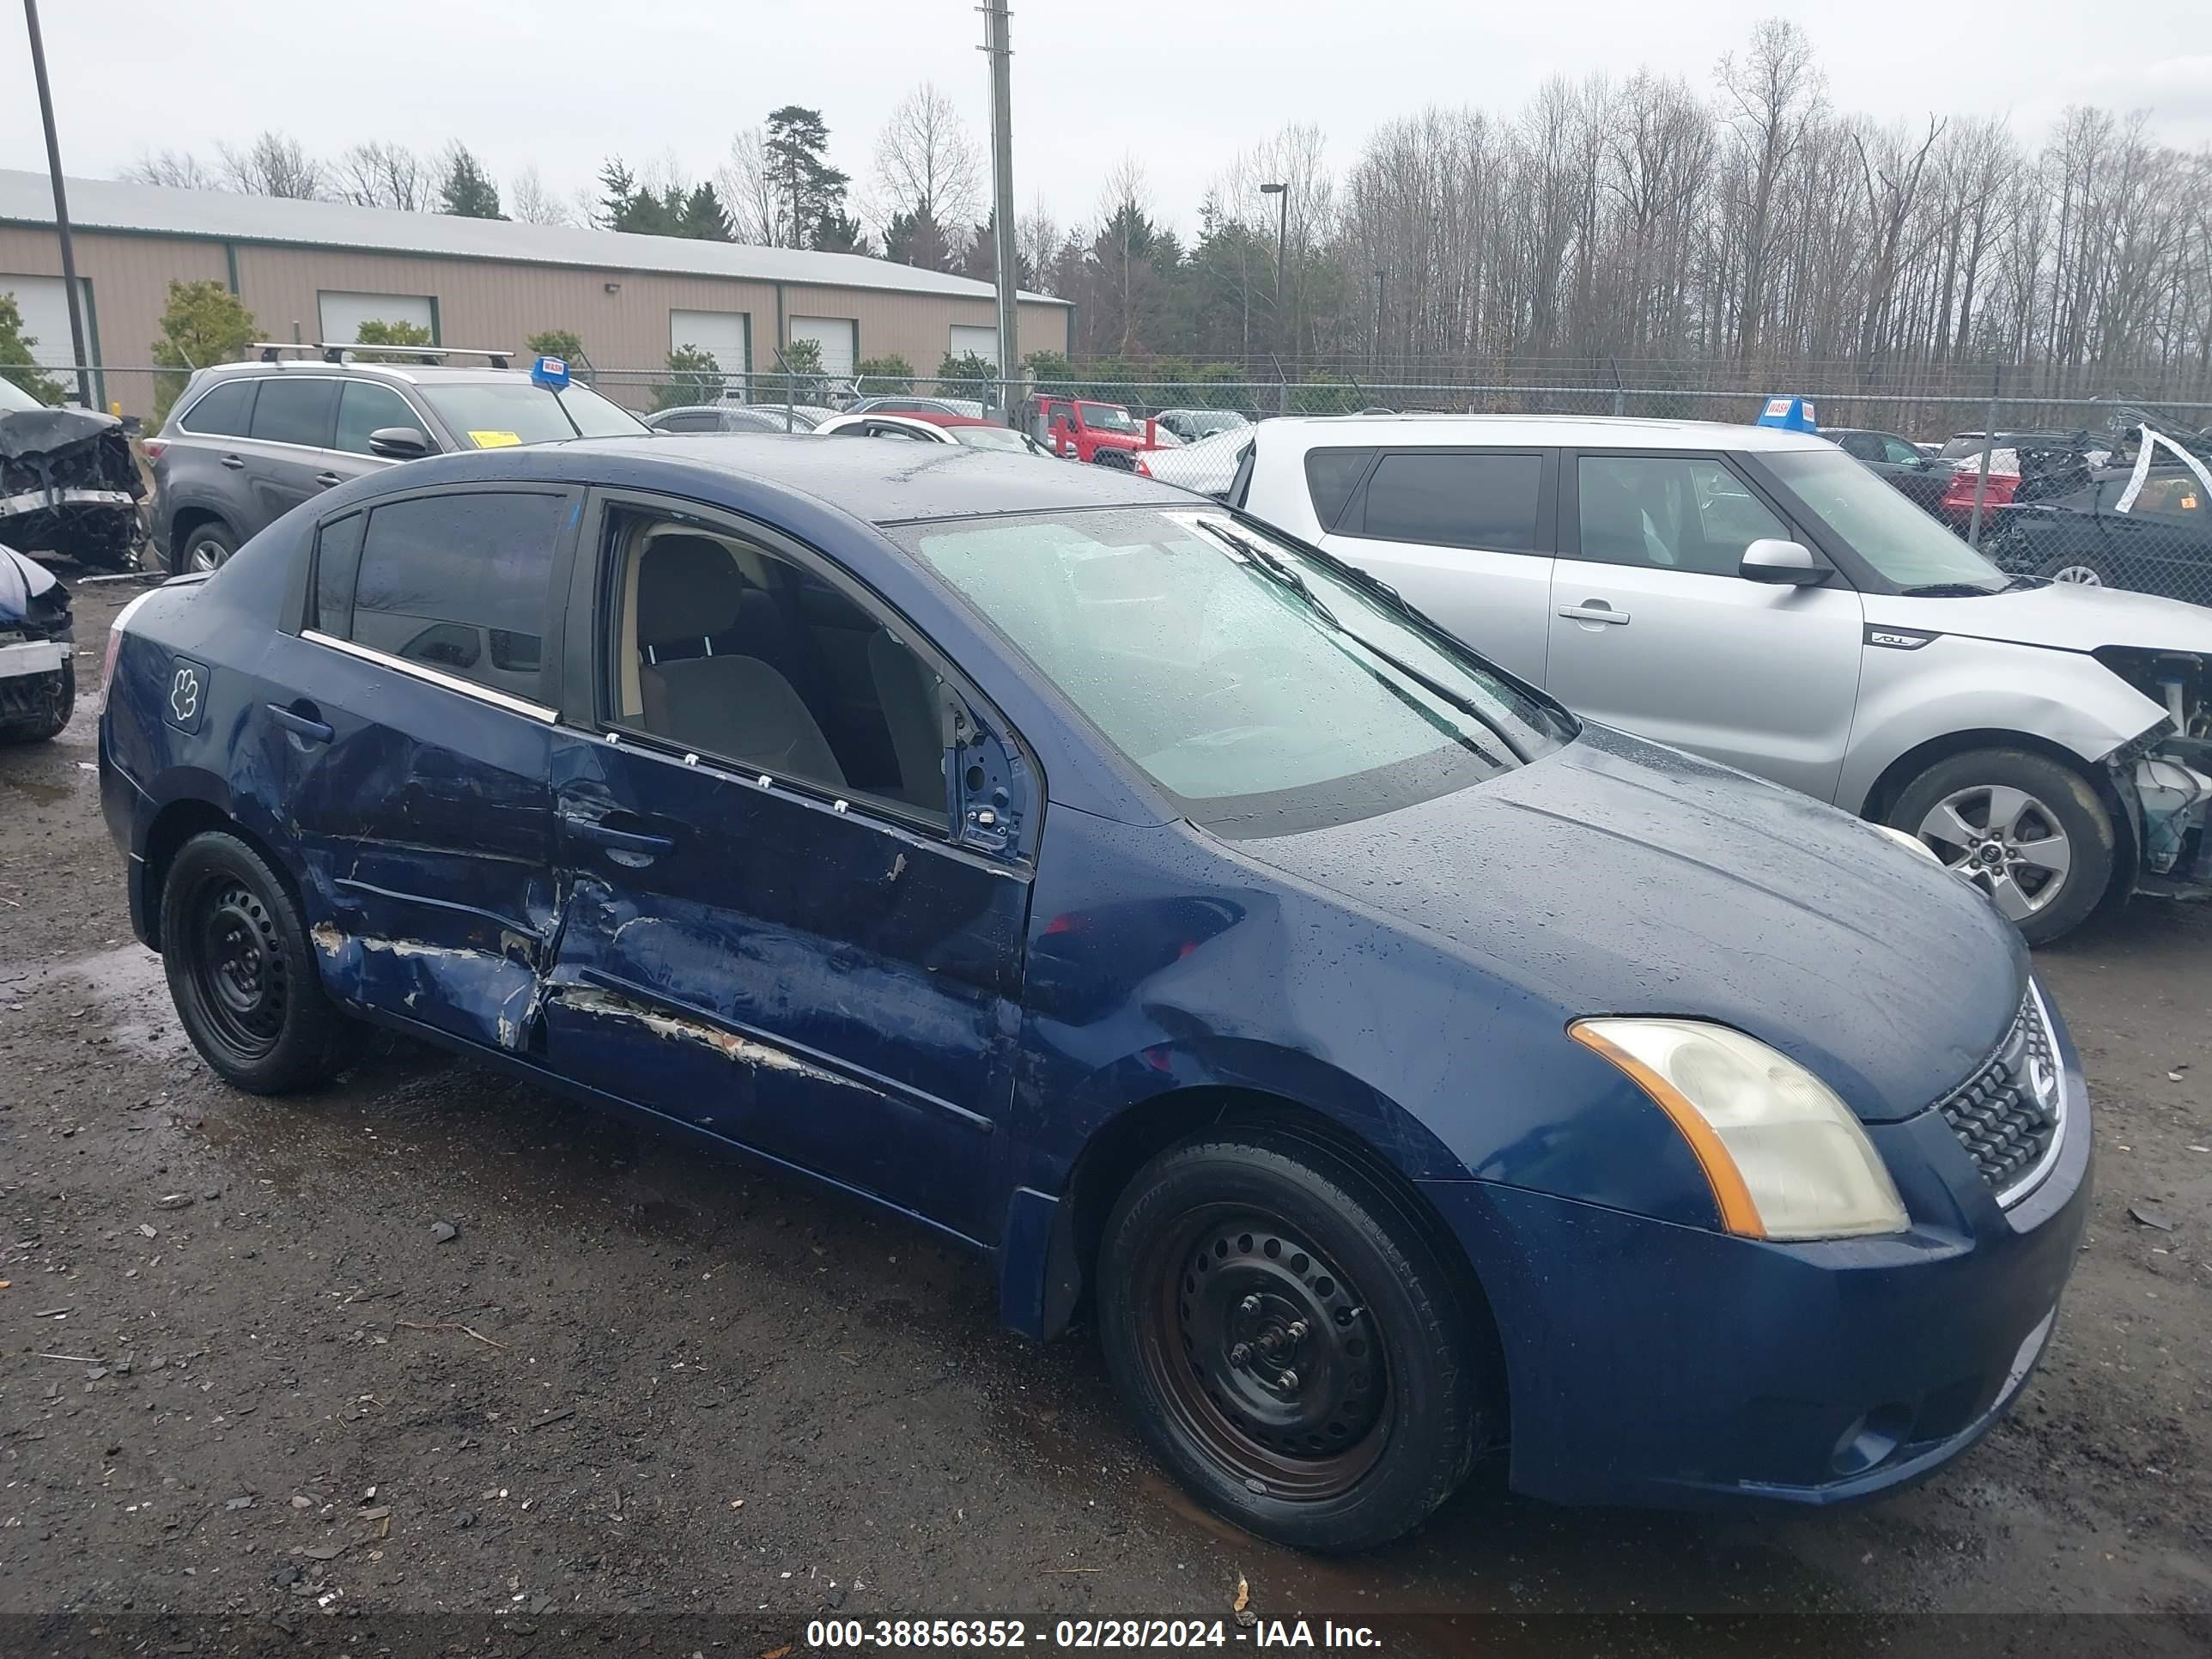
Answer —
247 1384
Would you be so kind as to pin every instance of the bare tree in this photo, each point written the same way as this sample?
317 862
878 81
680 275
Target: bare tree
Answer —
176 169
928 165
274 164
1036 239
531 204
1769 101
377 174
747 185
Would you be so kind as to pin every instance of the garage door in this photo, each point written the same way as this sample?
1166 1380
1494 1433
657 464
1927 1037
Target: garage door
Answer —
342 314
838 337
983 342
45 305
726 336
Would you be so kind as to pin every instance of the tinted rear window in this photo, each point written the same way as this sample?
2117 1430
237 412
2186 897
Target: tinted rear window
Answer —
461 583
295 411
1451 500
1331 476
223 412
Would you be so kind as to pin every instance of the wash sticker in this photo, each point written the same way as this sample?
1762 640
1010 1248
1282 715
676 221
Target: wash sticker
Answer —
494 440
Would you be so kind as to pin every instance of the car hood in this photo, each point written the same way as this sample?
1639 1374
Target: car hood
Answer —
1618 877
22 580
2061 616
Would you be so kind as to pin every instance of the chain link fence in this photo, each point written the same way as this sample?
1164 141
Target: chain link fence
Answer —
2062 495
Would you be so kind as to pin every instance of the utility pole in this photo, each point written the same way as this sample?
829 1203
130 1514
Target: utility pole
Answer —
61 207
998 44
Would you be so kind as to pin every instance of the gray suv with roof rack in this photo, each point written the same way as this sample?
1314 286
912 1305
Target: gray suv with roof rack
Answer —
247 443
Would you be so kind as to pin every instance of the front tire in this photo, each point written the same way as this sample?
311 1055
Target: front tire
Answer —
1289 1340
242 972
2029 832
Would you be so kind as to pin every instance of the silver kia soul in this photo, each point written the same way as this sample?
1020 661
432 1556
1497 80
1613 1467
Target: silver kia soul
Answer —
1758 597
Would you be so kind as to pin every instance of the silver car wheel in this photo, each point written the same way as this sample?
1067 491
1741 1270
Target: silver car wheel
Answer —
205 556
2005 842
2081 575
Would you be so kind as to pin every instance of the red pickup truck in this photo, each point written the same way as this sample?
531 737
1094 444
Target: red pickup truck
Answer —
1077 427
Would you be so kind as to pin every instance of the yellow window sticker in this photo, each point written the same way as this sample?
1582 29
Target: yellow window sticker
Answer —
494 440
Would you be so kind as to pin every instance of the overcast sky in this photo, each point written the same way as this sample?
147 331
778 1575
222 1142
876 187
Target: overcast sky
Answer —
561 84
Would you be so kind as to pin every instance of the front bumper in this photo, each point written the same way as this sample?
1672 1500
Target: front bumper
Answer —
1654 1363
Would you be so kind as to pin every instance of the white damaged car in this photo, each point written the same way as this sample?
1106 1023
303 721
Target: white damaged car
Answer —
38 675
1758 596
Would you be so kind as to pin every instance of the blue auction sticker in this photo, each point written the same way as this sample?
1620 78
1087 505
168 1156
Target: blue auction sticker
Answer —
186 699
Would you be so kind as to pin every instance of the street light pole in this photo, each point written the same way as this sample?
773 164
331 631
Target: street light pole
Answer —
61 206
1282 195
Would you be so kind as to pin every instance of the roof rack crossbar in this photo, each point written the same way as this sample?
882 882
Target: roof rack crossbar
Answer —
331 352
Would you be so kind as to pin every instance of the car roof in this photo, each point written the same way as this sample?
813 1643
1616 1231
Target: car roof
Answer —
879 483
1579 431
939 417
413 373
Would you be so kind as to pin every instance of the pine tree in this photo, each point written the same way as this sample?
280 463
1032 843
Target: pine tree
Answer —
466 190
916 238
704 219
809 191
841 233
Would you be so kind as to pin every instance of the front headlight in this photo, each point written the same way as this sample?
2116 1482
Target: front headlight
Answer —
1906 838
1785 1158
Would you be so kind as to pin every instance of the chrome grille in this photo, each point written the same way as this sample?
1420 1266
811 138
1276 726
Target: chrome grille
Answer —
2008 1115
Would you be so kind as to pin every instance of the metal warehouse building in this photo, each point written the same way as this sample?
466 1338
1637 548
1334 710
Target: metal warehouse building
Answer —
316 271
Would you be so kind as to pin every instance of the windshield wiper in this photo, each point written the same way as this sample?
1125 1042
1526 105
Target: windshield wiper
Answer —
1950 590
1289 578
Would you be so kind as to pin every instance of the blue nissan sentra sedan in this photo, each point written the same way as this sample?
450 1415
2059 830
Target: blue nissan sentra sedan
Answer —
1391 1067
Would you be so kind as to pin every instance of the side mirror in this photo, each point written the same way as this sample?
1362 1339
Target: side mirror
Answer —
398 443
1783 564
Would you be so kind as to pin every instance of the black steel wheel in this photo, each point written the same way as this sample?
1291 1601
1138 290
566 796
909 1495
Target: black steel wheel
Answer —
1265 1353
236 966
241 972
1290 1339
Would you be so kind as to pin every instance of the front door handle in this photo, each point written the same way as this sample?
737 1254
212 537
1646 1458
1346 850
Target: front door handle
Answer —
327 479
1593 611
234 463
605 835
300 725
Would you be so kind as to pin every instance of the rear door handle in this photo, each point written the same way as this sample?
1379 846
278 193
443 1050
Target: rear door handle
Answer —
314 730
603 835
327 479
233 462
1596 611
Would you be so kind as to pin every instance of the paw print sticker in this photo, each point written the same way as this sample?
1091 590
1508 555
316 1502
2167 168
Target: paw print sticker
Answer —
188 684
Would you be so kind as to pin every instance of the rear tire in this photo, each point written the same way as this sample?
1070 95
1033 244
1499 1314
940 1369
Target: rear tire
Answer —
205 547
242 972
1289 1340
2029 832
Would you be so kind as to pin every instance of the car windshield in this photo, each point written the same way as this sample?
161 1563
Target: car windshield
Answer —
992 437
13 399
1205 424
1904 543
1966 444
498 414
1106 417
1264 687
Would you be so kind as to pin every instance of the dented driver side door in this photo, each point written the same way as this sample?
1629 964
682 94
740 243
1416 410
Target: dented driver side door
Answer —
816 977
